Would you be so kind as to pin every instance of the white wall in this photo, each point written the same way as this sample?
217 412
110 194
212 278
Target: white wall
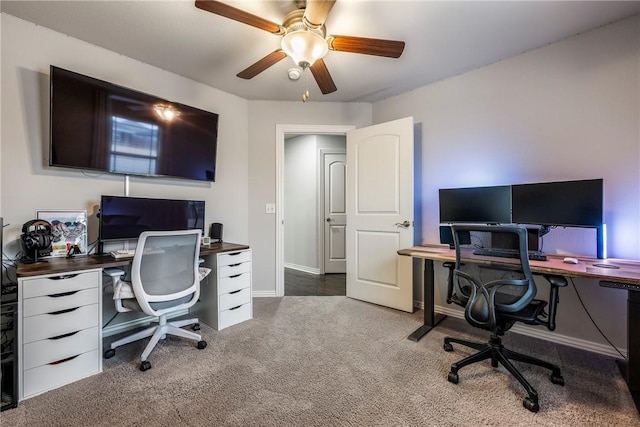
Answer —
300 203
28 184
263 117
569 110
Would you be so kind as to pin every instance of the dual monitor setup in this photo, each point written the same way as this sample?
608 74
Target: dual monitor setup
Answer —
539 206
124 218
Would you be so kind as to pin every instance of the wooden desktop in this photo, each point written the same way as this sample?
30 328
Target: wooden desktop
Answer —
62 265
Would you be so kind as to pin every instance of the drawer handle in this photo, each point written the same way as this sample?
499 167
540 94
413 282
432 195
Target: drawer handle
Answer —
63 277
235 275
68 310
235 265
64 335
235 292
63 294
64 360
235 253
235 308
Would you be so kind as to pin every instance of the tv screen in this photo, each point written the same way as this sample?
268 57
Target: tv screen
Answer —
124 218
99 126
476 205
565 203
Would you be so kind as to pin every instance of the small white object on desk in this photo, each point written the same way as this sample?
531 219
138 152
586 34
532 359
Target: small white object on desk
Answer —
123 253
571 260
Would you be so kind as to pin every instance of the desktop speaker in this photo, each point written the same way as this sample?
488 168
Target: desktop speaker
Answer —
215 232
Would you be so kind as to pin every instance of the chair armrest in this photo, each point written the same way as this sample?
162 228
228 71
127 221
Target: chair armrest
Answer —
556 282
121 289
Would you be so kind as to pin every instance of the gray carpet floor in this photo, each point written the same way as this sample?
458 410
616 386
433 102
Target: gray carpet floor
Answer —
331 361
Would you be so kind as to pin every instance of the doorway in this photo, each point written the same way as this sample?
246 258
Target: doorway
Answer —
300 255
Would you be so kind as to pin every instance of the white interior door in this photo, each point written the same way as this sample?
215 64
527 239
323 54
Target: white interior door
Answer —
335 214
380 213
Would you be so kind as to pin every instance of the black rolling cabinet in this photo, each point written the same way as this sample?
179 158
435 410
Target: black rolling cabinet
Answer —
9 351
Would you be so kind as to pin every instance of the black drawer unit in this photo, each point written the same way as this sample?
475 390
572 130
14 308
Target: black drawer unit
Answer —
9 352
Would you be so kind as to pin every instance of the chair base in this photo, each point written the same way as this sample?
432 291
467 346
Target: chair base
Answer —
158 333
500 355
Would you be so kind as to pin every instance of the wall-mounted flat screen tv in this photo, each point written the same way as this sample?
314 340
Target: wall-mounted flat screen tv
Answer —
124 218
100 126
490 205
565 203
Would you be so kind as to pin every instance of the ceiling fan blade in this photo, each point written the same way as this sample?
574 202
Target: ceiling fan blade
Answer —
222 9
266 62
378 47
322 76
317 11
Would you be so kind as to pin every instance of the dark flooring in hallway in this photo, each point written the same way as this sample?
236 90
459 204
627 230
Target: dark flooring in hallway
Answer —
298 283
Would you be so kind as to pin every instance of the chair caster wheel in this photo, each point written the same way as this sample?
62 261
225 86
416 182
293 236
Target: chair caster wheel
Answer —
531 404
557 379
201 345
447 347
453 377
109 353
145 365
195 327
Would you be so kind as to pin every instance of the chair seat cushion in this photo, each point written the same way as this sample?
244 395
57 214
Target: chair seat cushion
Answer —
122 290
528 314
132 304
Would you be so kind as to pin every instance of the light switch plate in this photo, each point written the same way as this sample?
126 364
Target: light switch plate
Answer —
270 208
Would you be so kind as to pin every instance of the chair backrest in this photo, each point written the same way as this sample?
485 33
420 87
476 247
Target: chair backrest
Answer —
487 284
164 271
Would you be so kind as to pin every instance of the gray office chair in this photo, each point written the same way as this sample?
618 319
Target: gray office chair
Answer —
497 292
164 279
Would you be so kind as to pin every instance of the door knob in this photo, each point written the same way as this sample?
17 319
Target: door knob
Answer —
329 220
404 224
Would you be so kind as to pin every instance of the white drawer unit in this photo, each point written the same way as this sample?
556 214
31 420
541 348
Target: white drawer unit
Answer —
226 295
59 332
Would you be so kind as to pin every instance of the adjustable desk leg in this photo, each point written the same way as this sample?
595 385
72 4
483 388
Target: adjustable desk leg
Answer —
430 318
631 369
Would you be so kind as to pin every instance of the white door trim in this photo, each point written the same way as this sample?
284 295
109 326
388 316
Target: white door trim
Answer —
281 131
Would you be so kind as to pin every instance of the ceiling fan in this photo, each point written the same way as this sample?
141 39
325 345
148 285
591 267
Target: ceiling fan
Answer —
304 39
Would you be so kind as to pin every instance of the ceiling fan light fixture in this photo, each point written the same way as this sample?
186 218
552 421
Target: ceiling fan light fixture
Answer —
304 46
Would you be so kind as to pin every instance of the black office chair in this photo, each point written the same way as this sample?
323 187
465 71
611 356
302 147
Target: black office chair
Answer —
496 293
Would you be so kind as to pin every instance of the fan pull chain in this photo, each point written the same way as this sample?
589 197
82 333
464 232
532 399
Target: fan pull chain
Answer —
305 95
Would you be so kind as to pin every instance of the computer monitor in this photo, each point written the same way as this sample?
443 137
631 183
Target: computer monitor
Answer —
124 218
565 203
484 205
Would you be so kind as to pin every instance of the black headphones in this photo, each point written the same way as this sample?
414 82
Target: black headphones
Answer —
36 235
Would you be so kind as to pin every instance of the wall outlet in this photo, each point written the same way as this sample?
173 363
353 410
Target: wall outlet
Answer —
270 208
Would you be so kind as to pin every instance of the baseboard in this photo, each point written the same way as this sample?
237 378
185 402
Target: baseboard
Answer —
542 334
303 268
261 294
131 324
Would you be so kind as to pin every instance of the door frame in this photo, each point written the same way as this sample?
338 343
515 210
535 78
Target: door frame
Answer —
281 131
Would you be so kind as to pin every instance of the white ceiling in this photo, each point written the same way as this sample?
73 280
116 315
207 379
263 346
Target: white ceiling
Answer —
443 39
